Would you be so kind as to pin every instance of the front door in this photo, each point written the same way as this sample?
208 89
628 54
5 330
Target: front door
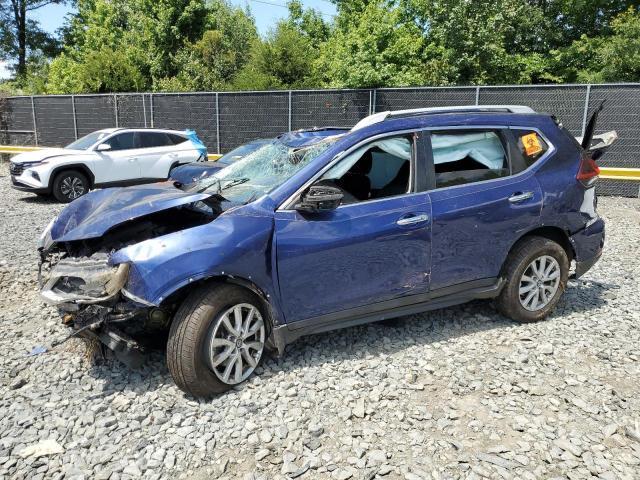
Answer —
119 163
374 247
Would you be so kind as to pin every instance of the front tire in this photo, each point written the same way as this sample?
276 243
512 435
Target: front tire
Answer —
216 340
69 185
536 273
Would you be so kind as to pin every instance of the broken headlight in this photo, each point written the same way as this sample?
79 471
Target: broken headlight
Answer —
83 280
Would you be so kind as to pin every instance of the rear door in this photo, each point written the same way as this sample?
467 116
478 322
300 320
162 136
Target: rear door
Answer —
156 155
482 202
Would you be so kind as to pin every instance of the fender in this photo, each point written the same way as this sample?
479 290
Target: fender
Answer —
72 166
233 246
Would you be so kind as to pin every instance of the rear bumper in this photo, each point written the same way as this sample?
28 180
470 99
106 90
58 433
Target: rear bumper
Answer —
588 244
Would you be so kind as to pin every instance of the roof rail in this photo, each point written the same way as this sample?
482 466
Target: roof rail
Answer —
382 116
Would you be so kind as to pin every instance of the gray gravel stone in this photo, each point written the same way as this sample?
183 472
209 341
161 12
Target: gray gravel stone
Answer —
455 393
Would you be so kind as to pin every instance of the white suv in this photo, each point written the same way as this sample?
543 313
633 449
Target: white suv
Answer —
110 157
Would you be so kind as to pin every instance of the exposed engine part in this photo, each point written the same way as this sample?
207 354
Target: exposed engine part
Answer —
99 322
158 319
143 228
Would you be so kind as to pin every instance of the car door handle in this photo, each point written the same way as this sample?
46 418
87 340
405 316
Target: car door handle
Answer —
413 220
520 197
133 159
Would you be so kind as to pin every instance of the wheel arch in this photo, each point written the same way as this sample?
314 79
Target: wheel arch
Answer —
557 234
176 297
81 167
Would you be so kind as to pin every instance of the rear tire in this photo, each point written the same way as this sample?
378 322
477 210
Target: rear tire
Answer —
209 350
536 272
69 185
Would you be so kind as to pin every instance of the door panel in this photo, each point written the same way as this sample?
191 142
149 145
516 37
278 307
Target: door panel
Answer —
120 162
155 162
475 225
355 255
117 166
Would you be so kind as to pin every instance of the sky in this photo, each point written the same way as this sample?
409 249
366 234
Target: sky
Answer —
266 12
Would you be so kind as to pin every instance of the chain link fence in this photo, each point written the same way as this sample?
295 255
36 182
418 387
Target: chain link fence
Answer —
224 120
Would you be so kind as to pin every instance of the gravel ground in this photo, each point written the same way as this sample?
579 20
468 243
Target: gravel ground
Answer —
456 393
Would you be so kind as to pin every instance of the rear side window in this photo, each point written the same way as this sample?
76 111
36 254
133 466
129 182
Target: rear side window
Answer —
531 145
462 157
176 139
153 139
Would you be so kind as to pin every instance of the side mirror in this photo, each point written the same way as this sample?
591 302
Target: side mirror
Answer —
103 147
320 198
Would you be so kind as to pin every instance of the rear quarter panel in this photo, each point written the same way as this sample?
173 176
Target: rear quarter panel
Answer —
567 204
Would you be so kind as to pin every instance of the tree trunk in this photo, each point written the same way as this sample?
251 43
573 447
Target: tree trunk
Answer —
21 23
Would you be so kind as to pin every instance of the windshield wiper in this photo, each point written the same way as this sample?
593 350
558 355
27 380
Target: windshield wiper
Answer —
232 183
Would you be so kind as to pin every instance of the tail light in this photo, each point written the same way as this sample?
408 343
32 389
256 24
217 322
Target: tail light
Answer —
588 171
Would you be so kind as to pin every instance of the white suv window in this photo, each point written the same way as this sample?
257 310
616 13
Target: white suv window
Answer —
121 141
153 139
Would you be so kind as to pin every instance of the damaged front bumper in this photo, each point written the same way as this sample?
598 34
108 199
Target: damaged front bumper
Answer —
90 296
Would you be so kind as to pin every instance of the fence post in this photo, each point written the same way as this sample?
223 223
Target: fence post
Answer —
35 125
375 99
217 124
478 95
115 108
75 120
289 110
151 108
370 102
144 110
586 109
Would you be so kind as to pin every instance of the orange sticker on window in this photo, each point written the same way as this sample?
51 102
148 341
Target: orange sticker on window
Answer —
531 144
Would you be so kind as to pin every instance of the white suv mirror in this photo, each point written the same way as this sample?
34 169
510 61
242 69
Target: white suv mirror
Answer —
103 147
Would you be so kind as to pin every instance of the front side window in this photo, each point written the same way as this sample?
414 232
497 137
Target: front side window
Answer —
462 157
122 141
377 170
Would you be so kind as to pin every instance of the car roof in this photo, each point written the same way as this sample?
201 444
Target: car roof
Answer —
301 138
144 129
458 109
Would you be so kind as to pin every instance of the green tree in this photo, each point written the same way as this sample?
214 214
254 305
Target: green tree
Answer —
20 35
614 58
283 60
372 45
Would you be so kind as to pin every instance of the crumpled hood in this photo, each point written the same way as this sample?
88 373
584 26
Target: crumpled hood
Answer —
91 215
39 155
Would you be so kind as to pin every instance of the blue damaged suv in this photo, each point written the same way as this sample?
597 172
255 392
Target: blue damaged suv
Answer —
406 212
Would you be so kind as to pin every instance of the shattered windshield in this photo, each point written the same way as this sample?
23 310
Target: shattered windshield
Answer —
261 171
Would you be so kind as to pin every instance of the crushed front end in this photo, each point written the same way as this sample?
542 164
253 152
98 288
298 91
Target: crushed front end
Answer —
78 273
89 294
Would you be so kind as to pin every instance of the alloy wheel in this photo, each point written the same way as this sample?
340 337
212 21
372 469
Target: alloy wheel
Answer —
235 343
72 187
539 283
